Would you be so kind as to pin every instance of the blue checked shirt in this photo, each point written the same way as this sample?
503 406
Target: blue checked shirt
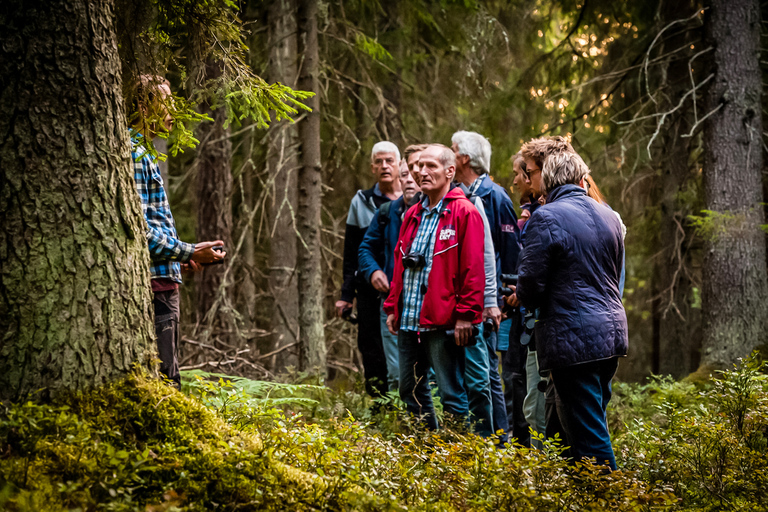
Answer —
165 248
415 280
476 184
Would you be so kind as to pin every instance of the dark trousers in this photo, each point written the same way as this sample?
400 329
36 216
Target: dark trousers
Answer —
584 391
369 340
167 333
515 388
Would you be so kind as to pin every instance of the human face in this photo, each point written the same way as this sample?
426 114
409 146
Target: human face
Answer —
413 167
435 179
463 173
384 167
407 183
163 112
534 171
522 183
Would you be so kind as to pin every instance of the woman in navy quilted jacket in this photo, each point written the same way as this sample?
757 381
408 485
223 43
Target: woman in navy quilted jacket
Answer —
570 270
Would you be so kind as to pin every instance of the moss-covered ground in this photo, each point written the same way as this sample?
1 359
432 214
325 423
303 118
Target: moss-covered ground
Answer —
235 444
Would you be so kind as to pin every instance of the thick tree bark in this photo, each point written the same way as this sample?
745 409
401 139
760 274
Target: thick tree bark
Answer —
312 336
75 302
283 164
214 212
735 292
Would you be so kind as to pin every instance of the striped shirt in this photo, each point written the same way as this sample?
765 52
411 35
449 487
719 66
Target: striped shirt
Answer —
165 248
415 280
476 184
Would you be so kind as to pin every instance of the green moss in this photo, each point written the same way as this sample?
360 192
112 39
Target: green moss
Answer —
236 444
138 443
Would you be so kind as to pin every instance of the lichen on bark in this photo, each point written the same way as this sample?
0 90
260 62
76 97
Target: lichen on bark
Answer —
75 305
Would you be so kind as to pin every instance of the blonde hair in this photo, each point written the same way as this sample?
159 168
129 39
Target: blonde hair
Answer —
539 149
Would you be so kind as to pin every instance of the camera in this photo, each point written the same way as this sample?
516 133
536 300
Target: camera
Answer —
218 248
346 314
414 261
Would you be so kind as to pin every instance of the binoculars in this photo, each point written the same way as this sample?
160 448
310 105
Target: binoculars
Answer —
508 279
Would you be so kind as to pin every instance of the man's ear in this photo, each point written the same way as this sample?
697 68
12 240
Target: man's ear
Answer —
450 172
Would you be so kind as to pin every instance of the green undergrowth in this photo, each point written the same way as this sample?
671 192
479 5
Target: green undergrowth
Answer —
229 443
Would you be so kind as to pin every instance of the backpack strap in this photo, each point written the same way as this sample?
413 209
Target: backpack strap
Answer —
384 214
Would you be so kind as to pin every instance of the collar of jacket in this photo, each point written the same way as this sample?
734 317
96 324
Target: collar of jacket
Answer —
569 190
454 193
485 187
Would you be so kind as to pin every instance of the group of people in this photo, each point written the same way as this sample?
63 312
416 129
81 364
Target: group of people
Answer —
447 279
450 285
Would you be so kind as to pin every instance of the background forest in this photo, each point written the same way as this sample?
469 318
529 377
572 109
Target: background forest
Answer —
625 80
277 105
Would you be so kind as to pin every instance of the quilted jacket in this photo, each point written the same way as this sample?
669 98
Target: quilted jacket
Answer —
570 268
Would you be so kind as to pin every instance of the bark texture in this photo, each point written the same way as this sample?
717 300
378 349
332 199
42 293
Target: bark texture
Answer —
312 335
676 325
735 292
214 212
283 164
75 303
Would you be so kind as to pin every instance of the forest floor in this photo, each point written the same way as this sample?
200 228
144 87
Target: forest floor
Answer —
237 444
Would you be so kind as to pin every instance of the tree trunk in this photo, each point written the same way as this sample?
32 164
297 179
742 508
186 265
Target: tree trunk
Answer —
676 332
735 292
283 165
75 302
214 213
312 336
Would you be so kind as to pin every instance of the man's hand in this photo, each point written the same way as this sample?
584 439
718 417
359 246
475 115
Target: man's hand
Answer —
512 300
192 266
463 333
494 314
379 281
204 252
341 306
391 324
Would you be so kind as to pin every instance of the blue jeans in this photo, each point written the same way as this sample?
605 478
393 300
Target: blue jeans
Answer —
500 421
419 351
478 383
584 391
389 341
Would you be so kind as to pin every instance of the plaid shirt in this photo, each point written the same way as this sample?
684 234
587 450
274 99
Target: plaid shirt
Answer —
415 280
476 184
165 248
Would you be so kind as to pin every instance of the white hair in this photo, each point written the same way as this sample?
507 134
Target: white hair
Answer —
562 168
384 146
476 147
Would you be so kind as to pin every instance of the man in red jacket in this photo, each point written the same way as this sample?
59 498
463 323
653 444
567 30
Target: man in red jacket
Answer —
436 294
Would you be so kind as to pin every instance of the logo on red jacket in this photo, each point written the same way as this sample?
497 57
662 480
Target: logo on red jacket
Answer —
447 233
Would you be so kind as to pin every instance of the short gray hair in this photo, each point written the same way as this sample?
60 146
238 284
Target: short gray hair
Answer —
562 168
385 147
476 147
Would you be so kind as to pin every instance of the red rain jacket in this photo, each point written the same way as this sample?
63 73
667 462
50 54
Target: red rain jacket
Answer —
457 280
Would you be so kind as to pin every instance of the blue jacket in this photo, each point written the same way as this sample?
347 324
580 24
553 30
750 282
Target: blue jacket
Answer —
503 223
378 245
570 270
